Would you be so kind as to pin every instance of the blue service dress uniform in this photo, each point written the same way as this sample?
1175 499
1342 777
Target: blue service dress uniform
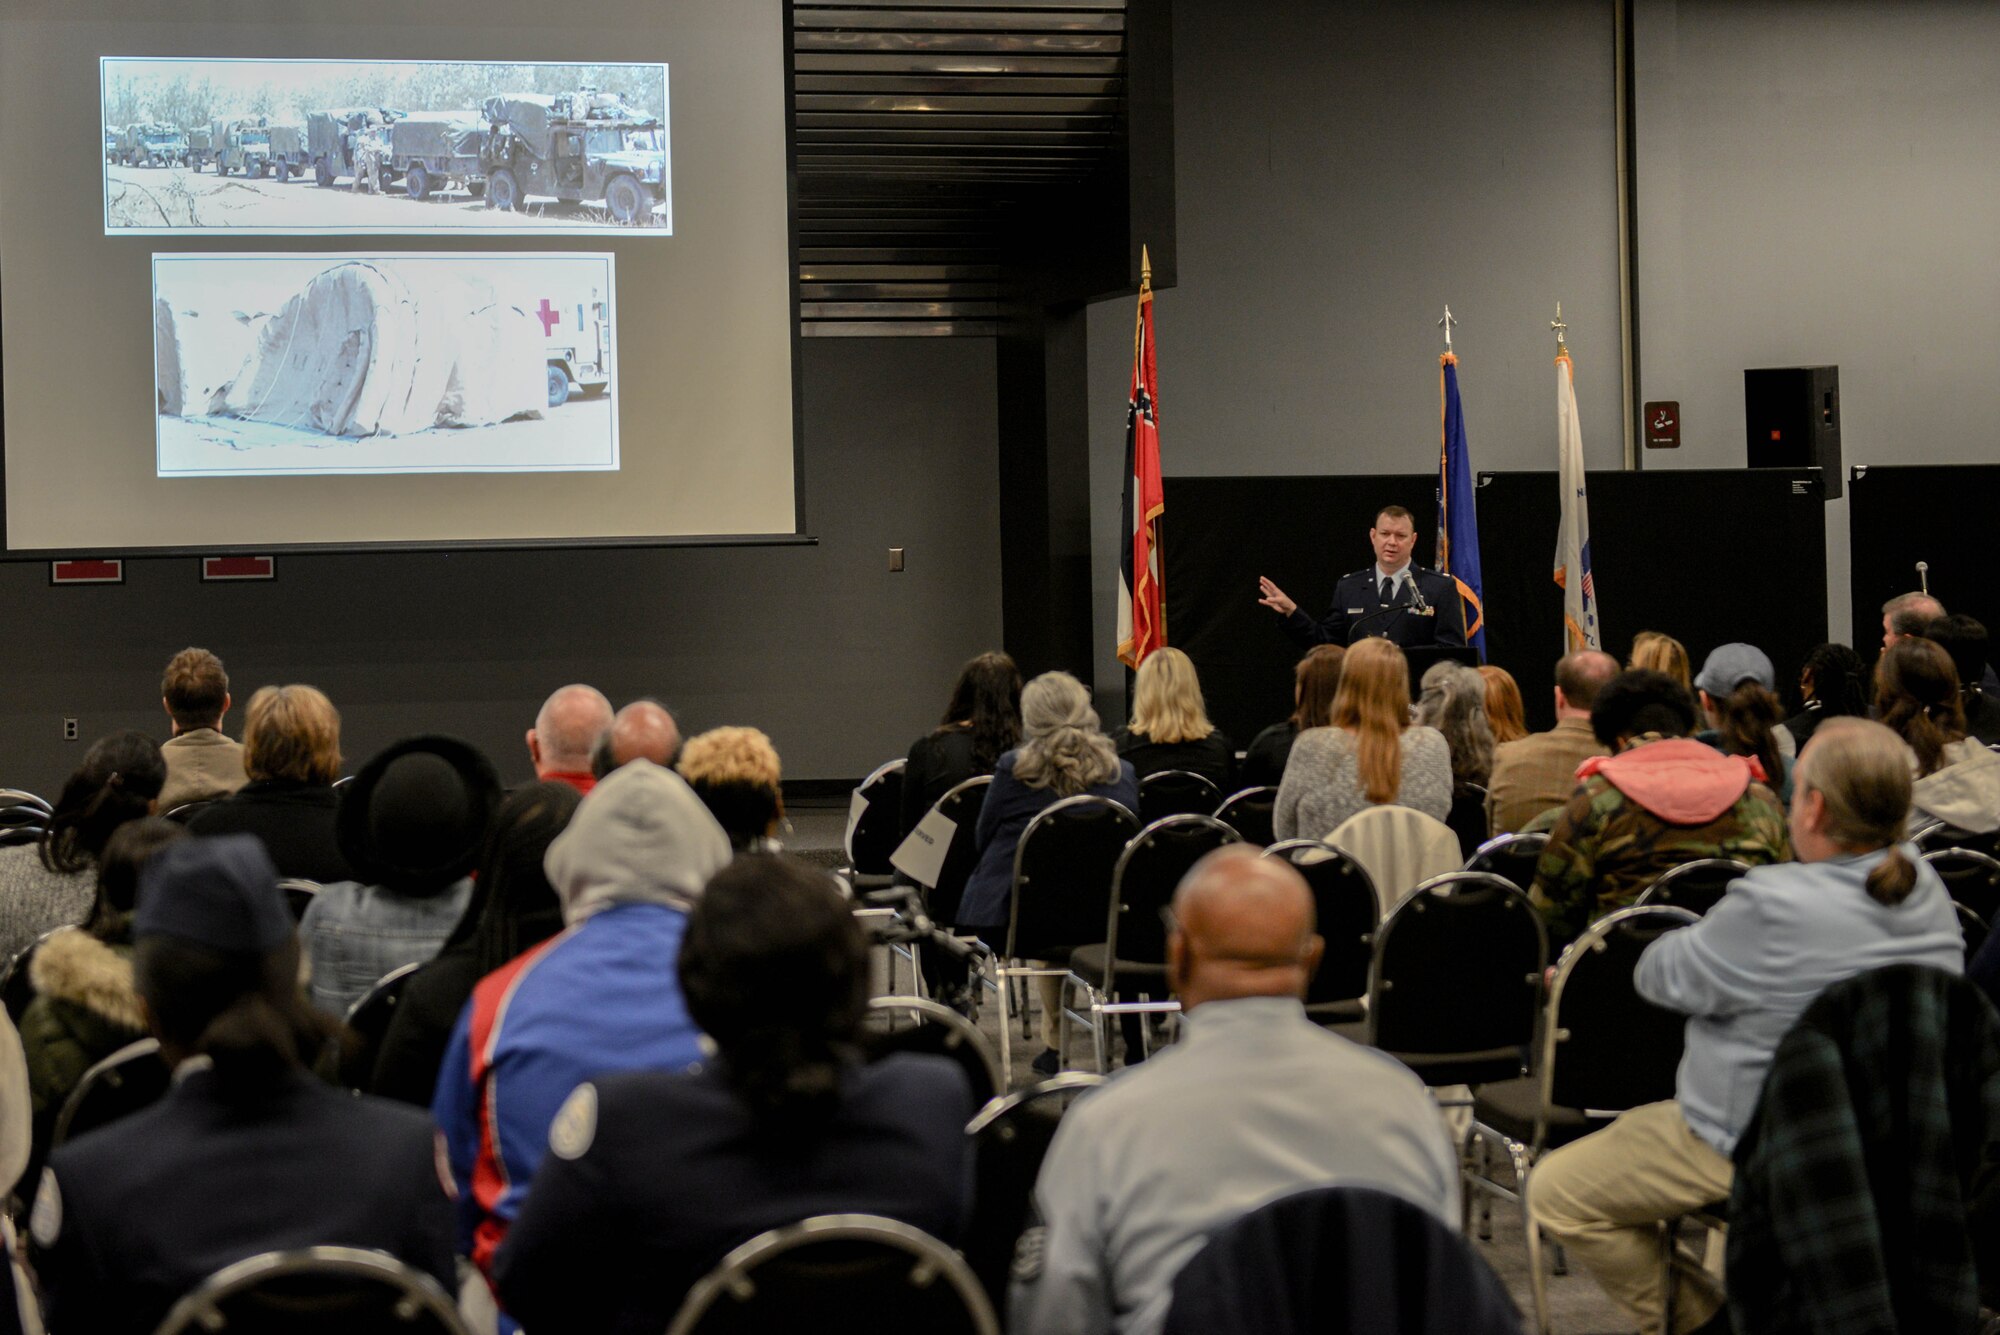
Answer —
1433 614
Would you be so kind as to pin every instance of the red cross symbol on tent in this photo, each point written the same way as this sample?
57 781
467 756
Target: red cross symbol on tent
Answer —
549 316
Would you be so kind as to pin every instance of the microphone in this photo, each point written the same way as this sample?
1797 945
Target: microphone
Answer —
1924 575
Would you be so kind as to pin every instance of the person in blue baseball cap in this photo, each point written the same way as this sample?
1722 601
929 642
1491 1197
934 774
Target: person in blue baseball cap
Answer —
247 1152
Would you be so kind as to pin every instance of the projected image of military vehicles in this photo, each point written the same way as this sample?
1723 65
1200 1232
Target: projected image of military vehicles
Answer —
153 144
585 146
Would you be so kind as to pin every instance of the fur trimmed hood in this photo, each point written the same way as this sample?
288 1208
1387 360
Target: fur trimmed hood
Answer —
74 966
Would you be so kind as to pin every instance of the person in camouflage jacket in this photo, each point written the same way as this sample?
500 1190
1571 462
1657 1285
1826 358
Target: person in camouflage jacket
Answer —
1663 799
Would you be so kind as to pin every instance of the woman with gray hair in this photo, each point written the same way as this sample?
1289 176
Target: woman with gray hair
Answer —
1454 702
1063 753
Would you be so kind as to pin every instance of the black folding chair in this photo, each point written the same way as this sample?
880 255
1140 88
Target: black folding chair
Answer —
16 989
368 1021
1696 886
1512 856
914 1024
1176 792
1061 895
961 806
131 1078
1467 818
1455 986
873 835
1971 878
1348 911
792 1278
187 811
24 817
1934 836
298 893
1132 959
1010 1138
1250 813
1603 1049
316 1291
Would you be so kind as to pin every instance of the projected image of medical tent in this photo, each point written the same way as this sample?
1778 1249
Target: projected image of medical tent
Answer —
431 363
333 147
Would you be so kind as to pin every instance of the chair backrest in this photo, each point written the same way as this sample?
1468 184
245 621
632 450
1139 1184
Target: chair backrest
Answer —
874 830
1250 813
1972 927
16 988
962 805
1143 884
316 1291
1467 817
15 799
1062 876
1513 856
298 893
1604 1046
23 817
1972 878
1934 836
791 1278
1696 886
1457 968
1176 792
368 1019
1347 910
186 811
913 1024
1010 1138
131 1078
1400 847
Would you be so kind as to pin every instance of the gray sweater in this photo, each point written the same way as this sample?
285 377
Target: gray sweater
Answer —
1322 783
34 900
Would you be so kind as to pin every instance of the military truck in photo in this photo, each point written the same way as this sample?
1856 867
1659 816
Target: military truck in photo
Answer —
581 147
289 157
110 147
242 145
439 150
152 144
332 134
201 147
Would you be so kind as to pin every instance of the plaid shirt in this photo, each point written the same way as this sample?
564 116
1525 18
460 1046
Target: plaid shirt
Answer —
1851 1211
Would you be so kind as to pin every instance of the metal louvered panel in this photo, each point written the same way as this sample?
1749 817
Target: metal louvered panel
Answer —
919 128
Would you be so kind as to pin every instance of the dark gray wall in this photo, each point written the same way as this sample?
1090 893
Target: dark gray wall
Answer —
840 661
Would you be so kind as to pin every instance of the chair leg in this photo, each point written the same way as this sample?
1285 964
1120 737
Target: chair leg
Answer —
1486 1198
1006 1028
1538 1282
1099 1046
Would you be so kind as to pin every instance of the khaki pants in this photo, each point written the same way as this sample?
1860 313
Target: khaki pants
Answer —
1049 991
1604 1196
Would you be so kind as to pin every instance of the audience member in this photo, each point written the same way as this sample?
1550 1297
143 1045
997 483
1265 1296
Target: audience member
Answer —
513 910
642 730
85 1006
1370 755
1063 753
1314 682
1256 1101
410 825
1833 683
247 1153
1538 773
1170 728
735 771
1661 799
566 728
1916 696
1857 899
291 753
1964 639
1661 653
654 1176
982 722
1908 614
1506 712
1453 701
48 884
201 762
603 996
1737 691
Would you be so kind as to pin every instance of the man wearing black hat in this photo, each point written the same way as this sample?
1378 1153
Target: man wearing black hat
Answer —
248 1152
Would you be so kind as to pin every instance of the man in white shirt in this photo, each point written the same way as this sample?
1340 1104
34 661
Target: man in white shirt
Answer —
1254 1103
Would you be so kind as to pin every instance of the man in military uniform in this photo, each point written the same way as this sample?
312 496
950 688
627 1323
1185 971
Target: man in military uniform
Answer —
1661 800
1393 599
370 146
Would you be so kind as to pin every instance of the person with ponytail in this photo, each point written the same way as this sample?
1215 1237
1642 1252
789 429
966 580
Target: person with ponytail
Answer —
1857 899
52 883
1369 756
653 1177
1737 692
1917 690
1063 753
248 1152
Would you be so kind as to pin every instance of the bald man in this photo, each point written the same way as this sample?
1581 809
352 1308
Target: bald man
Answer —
1255 1102
566 728
642 730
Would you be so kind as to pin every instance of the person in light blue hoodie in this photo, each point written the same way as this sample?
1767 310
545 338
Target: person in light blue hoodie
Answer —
1857 899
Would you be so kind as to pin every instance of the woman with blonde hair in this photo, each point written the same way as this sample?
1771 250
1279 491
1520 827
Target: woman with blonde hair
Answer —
1506 715
1063 753
291 751
1662 653
1170 727
1315 681
1369 756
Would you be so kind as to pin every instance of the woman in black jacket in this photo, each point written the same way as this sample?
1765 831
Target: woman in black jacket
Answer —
291 751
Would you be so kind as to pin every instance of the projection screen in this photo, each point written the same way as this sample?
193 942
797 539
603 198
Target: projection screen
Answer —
333 276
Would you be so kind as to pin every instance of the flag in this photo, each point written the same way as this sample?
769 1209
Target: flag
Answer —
1458 515
1573 537
1142 608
